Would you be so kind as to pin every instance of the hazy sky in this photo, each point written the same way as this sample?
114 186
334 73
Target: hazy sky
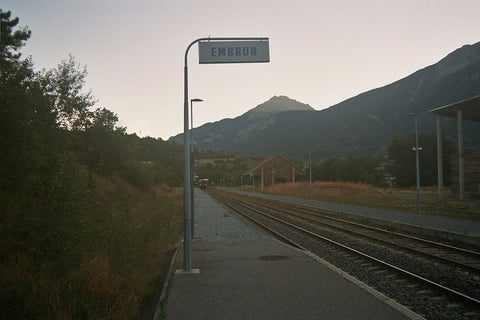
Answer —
321 52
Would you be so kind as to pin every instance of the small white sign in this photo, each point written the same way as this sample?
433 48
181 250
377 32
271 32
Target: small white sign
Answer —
233 51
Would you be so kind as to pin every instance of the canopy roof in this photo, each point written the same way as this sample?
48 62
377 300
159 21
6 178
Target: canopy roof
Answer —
470 109
268 160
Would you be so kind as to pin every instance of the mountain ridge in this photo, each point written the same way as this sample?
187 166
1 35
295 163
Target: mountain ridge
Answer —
361 124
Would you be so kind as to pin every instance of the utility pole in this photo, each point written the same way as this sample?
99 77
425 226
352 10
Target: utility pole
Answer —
310 166
417 161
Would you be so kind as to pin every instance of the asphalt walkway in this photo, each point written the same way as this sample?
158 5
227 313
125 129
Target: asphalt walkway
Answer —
247 274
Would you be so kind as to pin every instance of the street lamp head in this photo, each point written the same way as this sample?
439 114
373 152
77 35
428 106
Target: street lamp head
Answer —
196 100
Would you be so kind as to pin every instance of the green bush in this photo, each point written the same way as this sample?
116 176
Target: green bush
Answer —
138 174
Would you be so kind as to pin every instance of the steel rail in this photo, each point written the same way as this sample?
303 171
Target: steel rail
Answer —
406 236
424 242
455 294
313 211
443 259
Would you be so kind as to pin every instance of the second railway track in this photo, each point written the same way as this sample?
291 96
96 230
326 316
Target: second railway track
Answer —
435 280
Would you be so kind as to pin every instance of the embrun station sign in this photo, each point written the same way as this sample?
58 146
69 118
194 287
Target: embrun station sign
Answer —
233 51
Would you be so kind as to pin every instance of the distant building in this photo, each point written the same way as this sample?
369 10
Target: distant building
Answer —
275 168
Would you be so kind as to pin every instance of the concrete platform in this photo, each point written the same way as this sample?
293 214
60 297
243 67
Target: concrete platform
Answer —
246 274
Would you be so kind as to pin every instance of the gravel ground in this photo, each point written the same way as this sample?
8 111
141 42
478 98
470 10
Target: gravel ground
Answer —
216 223
428 221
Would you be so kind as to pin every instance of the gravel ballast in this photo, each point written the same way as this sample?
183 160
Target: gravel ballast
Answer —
459 226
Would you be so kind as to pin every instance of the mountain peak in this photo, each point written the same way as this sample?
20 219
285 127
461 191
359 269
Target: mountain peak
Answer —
281 104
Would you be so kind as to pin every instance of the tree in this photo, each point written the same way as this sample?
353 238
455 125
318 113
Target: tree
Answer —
10 42
359 169
106 119
402 164
26 121
64 85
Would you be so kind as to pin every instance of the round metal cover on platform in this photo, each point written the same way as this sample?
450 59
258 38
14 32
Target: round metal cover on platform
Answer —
274 258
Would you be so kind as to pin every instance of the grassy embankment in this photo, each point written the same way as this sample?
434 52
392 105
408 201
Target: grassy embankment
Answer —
385 198
102 256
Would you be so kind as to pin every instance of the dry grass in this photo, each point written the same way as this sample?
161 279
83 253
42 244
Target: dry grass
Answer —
370 196
104 261
213 161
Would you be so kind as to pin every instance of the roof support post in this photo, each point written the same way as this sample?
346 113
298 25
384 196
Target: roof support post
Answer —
461 176
262 182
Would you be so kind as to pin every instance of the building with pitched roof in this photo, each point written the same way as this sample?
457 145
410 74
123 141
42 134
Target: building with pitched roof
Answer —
272 170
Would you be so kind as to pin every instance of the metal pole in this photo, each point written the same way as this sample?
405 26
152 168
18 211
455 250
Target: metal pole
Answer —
192 159
417 165
310 166
461 165
187 218
273 179
187 205
192 194
187 193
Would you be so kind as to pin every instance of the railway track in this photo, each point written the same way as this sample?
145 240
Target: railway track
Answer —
467 259
435 280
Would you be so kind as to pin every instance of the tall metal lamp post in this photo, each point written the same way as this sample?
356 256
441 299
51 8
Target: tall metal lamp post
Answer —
252 50
192 161
417 149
